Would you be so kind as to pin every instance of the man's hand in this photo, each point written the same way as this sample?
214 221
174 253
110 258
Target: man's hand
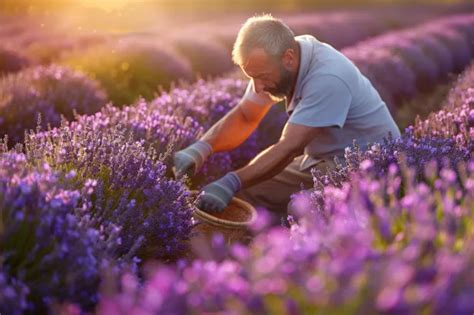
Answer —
218 194
189 160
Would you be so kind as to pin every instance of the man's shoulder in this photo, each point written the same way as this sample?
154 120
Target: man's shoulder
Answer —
316 81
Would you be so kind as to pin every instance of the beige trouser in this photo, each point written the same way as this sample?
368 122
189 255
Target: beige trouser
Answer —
274 194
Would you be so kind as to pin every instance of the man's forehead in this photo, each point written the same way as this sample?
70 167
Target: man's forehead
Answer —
257 61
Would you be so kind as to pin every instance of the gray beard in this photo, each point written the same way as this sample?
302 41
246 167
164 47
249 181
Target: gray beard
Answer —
283 88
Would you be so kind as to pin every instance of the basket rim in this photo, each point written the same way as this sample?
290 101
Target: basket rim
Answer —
209 218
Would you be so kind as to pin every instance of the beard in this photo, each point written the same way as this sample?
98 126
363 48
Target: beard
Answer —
283 87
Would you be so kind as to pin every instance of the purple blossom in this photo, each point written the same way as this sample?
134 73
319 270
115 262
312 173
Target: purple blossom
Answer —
12 60
403 54
357 258
49 255
49 92
124 185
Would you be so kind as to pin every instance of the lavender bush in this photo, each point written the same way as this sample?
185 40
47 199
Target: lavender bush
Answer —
128 184
360 252
48 253
456 119
51 92
457 41
425 69
13 296
404 54
462 91
421 105
12 61
351 26
460 24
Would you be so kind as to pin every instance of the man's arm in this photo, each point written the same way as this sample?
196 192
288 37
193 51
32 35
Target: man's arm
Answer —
274 159
236 126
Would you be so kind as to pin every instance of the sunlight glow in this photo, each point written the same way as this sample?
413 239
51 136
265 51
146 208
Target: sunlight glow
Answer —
105 4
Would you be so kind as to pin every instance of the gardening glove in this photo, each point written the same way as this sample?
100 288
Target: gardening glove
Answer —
219 193
189 160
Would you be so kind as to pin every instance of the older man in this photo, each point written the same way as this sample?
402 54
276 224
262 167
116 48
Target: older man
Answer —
329 103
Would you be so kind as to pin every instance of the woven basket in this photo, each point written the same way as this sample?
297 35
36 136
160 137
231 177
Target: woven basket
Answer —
233 222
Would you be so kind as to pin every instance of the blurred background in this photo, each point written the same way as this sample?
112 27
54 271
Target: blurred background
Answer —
133 15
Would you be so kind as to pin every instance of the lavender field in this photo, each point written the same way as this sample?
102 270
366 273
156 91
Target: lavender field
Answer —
92 220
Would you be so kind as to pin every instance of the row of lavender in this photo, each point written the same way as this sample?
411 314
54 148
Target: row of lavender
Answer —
400 243
109 171
403 63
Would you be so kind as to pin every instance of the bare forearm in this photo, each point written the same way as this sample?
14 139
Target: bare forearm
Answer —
267 164
229 132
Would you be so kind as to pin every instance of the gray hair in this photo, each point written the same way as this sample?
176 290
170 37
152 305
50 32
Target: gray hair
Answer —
262 31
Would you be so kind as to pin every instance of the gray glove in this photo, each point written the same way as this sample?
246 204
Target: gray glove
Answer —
189 160
219 193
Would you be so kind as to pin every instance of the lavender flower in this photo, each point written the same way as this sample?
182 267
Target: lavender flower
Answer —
13 295
403 53
12 61
46 91
362 251
48 254
128 185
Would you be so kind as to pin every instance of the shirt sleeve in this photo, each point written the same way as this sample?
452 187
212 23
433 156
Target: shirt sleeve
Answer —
325 102
258 98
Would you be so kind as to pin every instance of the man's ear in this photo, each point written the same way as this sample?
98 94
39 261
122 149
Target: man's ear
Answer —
288 58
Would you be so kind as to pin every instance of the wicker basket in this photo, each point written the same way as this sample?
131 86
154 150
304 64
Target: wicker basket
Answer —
233 222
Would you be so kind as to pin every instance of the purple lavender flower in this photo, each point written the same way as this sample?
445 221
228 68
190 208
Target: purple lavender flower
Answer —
12 61
424 68
403 53
129 187
456 41
369 252
13 295
48 253
50 92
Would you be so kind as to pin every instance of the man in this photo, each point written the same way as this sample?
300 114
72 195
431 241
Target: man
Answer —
329 103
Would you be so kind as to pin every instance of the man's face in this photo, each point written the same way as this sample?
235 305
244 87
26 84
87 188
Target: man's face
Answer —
274 77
